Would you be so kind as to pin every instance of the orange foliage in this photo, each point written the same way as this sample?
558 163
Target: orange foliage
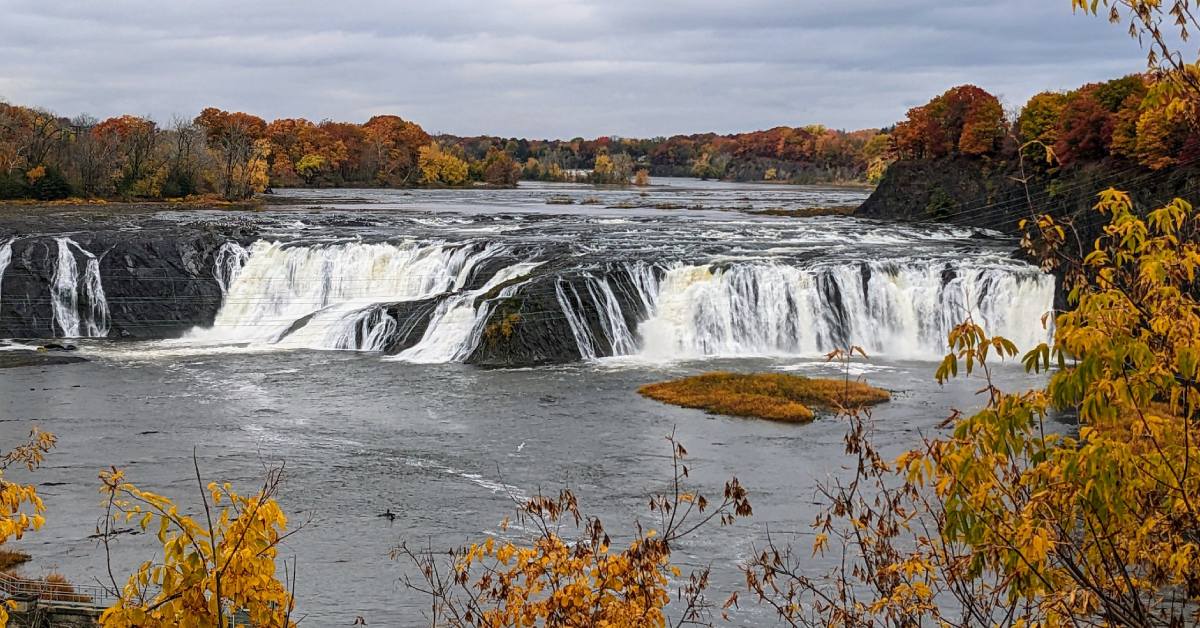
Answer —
965 120
774 396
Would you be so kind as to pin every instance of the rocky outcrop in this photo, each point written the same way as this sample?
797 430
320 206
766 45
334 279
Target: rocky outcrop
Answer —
17 359
155 281
535 326
988 193
412 318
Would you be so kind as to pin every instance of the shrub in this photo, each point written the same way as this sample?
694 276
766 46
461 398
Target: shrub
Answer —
51 186
13 186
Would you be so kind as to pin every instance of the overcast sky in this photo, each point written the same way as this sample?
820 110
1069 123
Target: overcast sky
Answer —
547 68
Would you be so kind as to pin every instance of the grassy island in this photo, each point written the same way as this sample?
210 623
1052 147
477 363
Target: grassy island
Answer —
773 396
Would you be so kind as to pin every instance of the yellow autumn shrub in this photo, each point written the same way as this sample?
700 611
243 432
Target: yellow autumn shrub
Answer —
569 572
20 506
210 569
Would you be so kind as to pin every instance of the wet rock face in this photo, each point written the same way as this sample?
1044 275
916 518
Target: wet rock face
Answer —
153 283
527 329
960 190
988 194
412 318
534 327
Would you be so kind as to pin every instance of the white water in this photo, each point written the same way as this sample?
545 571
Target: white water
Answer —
228 263
328 296
5 258
899 310
598 296
455 329
336 296
78 303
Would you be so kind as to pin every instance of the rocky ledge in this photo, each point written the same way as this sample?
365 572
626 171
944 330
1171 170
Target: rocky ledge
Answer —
154 275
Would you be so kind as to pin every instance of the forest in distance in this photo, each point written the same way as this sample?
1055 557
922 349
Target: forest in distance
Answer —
234 155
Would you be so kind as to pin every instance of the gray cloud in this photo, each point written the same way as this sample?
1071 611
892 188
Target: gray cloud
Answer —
548 68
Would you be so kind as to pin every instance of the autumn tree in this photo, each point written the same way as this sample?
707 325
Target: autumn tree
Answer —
91 157
965 120
236 139
135 140
441 167
500 169
394 147
20 506
186 158
1039 118
1085 127
211 569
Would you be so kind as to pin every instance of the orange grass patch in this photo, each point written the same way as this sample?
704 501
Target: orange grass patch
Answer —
11 559
774 396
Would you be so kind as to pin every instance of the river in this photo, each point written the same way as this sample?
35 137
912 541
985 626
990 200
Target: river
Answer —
318 358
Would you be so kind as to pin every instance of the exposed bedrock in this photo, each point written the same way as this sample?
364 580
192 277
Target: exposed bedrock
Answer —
492 302
145 283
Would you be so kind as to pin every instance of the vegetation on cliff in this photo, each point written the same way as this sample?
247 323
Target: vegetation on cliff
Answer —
773 396
960 158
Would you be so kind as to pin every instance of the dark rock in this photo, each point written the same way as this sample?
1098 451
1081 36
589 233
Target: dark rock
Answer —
412 318
530 328
17 359
157 279
987 193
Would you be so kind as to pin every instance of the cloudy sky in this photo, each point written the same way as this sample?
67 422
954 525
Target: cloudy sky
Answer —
547 68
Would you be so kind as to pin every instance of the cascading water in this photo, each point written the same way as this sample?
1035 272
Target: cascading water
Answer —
5 258
337 297
228 262
79 305
456 327
598 296
329 296
902 310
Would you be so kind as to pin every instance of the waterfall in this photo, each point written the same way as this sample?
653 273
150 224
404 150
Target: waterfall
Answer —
329 296
78 313
228 262
458 323
367 330
5 258
352 296
901 310
599 298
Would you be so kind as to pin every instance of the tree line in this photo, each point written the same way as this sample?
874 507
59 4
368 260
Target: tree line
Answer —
808 154
235 155
229 154
1131 119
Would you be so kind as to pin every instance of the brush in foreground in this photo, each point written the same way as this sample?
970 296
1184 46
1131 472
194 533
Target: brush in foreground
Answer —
774 396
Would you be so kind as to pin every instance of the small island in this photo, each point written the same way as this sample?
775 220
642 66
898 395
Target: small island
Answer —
772 396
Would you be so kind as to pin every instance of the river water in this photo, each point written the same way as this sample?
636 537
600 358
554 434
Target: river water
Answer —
286 373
